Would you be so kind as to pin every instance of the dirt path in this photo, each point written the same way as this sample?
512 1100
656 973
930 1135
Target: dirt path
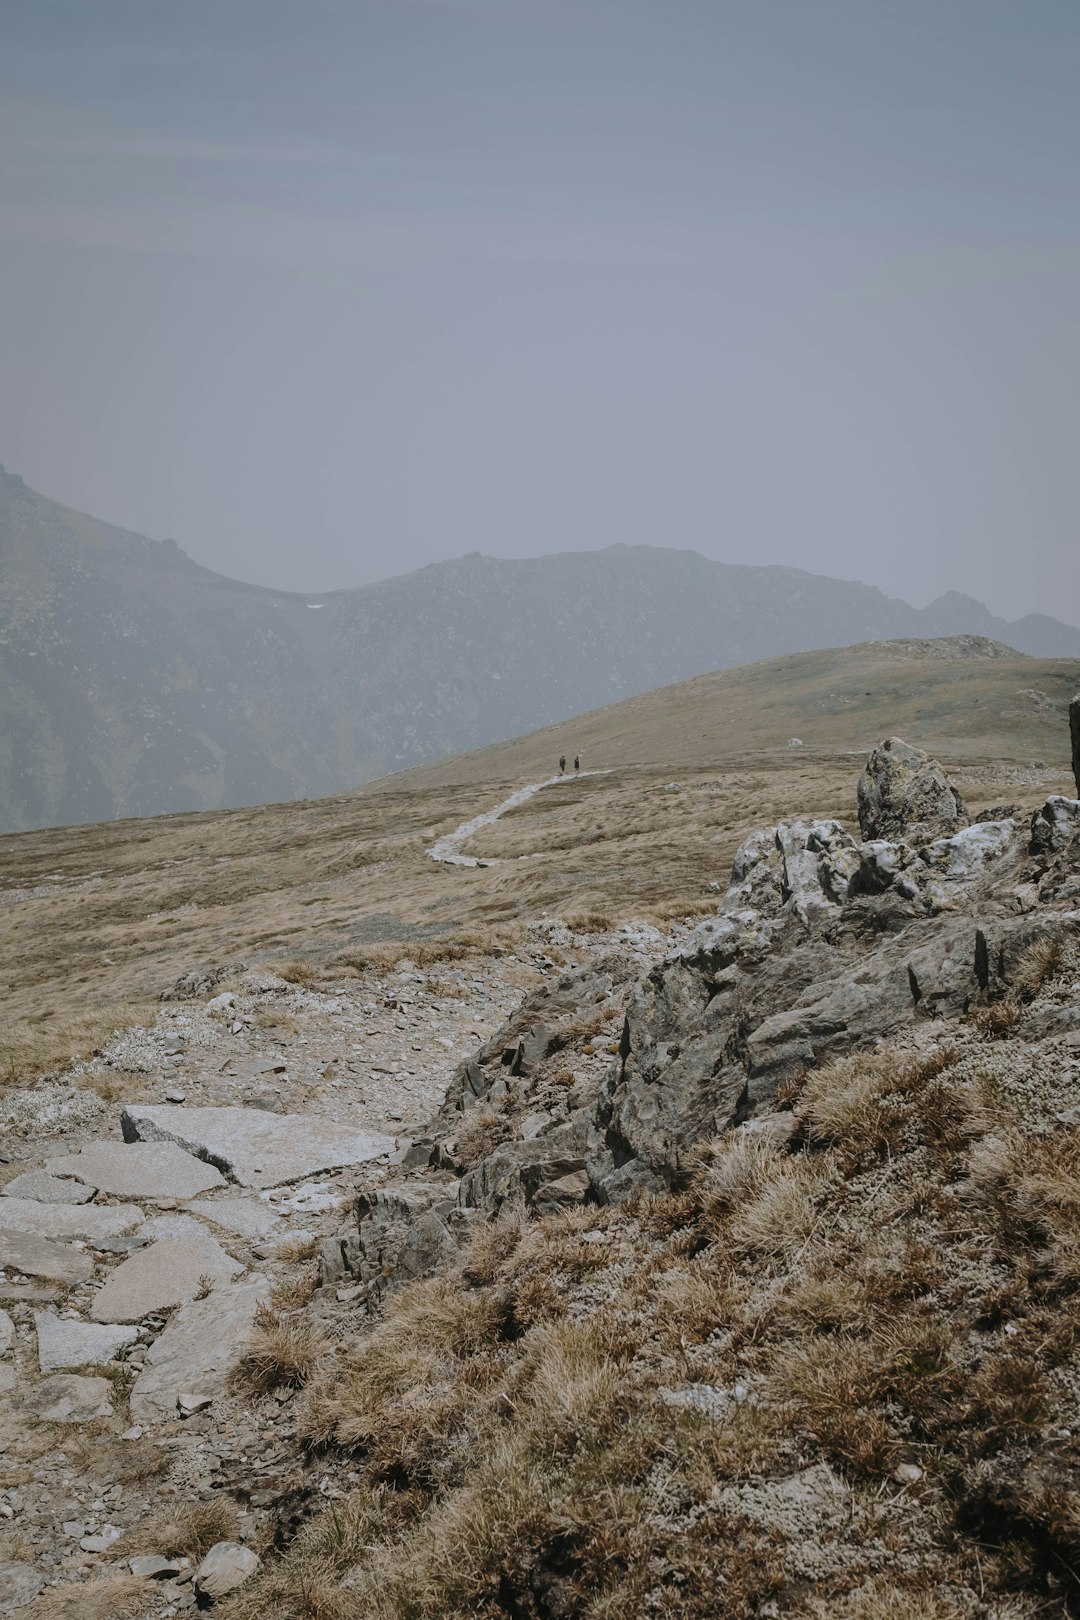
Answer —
448 848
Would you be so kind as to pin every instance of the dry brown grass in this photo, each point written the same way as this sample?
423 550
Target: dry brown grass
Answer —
284 1350
49 1042
186 1530
112 1596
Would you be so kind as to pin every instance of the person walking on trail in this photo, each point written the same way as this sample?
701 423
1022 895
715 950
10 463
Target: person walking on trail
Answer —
577 763
562 764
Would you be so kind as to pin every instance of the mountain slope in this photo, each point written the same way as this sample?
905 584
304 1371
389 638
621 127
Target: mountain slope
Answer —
135 682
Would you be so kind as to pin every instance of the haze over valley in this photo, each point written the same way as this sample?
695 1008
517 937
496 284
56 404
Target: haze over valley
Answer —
134 682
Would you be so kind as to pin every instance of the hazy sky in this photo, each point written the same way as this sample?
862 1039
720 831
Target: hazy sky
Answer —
328 289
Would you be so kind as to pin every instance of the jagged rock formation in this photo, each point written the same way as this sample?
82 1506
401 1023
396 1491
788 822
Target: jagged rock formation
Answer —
135 682
903 793
1074 731
822 945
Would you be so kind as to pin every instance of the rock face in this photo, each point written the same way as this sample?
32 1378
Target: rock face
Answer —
39 1257
1074 732
46 1189
197 1349
68 1221
141 1170
904 794
823 944
77 1344
253 1148
69 1399
165 1274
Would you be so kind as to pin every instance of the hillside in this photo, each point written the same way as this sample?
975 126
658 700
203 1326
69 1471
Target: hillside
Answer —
99 919
134 682
673 1215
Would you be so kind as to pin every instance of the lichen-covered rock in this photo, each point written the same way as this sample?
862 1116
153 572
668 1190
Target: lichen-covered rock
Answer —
905 795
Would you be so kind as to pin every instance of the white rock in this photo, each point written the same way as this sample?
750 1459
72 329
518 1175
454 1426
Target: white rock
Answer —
157 1169
197 1350
77 1344
68 1220
224 1568
255 1148
165 1274
46 1189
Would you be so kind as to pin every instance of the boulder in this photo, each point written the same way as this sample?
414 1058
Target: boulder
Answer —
40 1257
197 1350
1056 827
251 1147
68 1398
904 795
400 1234
157 1169
1074 734
77 1344
167 1273
225 1567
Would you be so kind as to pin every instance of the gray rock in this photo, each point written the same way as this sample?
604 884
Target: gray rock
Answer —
77 1344
68 1220
152 1568
904 794
46 1189
7 1333
167 1273
8 1377
225 1567
40 1257
197 1350
247 1217
157 1169
1074 733
1055 827
69 1398
19 1585
254 1148
106 1537
400 1235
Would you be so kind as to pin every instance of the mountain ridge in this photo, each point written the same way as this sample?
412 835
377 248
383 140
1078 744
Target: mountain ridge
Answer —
137 681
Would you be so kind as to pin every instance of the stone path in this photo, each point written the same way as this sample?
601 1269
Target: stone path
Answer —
131 1270
448 848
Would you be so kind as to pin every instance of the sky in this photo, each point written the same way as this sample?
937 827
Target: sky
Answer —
326 290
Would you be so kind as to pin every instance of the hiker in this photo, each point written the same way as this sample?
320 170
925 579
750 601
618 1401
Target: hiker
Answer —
562 764
577 763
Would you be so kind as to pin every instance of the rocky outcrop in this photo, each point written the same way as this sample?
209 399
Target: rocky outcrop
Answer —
1074 732
823 944
904 794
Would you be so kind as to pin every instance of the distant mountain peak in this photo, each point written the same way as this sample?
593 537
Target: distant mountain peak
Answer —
133 680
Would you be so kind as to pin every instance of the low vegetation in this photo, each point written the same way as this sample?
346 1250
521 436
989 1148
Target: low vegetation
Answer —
834 1373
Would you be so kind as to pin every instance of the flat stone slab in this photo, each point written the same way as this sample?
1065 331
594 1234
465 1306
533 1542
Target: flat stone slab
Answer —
197 1350
19 1585
77 1344
252 1147
68 1398
246 1217
147 1169
48 1189
41 1257
167 1273
68 1220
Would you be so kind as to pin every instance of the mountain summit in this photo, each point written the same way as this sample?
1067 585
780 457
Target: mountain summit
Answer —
136 682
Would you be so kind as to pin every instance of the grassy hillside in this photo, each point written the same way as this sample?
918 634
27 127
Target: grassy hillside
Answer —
98 920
